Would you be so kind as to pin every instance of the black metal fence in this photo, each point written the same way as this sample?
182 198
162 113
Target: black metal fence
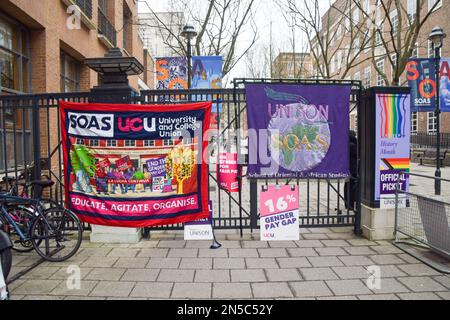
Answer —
423 140
30 142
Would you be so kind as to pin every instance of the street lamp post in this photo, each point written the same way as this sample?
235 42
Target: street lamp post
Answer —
436 37
189 33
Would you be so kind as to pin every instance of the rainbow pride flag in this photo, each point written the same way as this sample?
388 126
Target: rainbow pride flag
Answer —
393 120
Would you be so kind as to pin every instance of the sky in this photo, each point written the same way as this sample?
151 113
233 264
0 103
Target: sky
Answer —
267 11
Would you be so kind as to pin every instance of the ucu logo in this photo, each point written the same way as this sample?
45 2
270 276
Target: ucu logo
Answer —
137 124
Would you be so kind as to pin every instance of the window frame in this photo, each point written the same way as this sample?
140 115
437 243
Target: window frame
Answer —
23 56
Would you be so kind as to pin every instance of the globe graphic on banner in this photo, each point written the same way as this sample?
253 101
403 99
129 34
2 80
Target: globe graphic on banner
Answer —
299 136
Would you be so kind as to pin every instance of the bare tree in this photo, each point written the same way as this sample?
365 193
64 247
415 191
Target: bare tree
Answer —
337 38
397 31
220 24
257 62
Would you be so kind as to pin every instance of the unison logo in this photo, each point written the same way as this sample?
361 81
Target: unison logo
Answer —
91 124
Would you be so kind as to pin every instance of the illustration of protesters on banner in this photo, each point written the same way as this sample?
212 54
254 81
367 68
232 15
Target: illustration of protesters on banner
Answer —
128 175
139 176
101 181
148 177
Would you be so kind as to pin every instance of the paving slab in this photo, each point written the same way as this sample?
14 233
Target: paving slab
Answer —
258 263
348 287
419 269
140 275
196 263
310 289
302 252
276 275
228 263
134 263
212 276
271 290
85 288
296 262
247 275
164 263
325 261
112 289
152 290
110 274
390 285
232 291
422 284
346 273
318 274
419 296
174 275
191 291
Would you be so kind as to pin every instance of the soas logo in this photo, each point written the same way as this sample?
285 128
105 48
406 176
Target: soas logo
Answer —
91 125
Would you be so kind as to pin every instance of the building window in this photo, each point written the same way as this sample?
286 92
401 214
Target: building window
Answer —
93 143
339 60
414 122
79 141
394 21
356 16
167 143
357 76
188 141
70 73
432 121
431 3
367 76
111 143
130 143
149 143
14 57
415 53
412 10
380 71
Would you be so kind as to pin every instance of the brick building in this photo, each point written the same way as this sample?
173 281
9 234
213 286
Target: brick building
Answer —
42 44
354 51
292 65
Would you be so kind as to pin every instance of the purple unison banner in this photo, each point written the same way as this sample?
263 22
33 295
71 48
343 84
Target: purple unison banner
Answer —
298 131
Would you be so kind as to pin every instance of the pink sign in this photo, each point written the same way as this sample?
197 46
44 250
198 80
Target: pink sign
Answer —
278 199
279 213
228 171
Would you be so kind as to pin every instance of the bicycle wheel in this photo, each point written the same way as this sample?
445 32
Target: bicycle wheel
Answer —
6 260
57 234
23 217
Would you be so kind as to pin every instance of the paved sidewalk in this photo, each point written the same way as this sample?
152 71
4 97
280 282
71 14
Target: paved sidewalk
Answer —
325 264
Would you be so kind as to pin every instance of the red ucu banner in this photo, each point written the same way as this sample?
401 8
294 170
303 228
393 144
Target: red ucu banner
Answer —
135 165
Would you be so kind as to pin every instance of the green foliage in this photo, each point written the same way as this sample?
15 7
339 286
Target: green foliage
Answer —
87 160
309 131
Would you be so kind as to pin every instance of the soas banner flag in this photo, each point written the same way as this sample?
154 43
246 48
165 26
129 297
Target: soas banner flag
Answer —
171 73
298 131
207 74
135 165
421 76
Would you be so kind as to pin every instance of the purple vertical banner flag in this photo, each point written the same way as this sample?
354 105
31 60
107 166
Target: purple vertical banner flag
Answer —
445 85
298 131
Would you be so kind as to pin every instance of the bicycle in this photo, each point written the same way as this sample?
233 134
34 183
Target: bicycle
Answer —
22 215
55 233
5 262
